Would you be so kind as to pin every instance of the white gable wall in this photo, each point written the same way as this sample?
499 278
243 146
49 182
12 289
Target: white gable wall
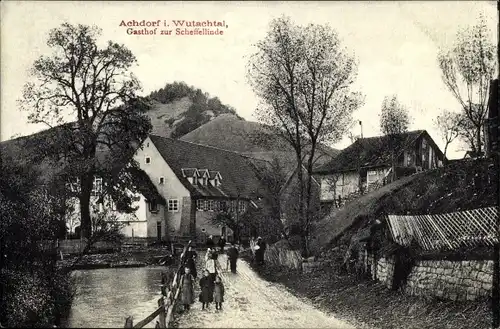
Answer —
171 189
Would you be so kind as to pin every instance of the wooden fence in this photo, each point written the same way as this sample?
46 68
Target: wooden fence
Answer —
283 257
166 304
446 231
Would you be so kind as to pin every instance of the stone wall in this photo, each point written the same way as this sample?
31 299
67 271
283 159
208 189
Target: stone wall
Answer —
382 270
452 280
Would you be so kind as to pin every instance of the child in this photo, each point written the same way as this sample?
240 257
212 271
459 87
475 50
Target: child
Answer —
187 291
207 292
218 293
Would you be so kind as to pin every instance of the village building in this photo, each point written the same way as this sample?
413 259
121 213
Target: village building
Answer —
366 164
197 182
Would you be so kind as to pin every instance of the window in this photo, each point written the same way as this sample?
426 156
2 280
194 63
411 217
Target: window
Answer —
199 205
173 205
162 180
210 205
153 206
147 145
148 160
97 187
242 206
195 180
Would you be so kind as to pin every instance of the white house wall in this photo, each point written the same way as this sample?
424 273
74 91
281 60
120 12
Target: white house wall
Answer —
172 188
341 184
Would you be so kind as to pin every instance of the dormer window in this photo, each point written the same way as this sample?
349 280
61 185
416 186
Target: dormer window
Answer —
148 160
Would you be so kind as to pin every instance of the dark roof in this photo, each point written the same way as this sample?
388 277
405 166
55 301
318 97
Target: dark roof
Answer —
145 186
25 152
369 152
238 172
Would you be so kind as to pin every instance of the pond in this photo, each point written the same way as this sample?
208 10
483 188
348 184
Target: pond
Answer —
105 297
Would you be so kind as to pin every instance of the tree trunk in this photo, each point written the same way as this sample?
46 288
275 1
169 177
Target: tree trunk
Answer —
478 140
393 162
305 242
301 218
85 221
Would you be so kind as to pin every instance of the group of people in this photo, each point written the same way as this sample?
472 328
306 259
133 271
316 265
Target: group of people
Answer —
211 286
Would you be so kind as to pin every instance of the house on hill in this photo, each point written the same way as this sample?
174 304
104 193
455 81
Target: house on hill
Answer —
366 164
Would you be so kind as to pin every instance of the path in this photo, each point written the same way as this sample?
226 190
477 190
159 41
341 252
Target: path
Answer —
251 302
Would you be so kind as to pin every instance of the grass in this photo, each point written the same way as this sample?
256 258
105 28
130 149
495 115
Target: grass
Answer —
465 185
371 304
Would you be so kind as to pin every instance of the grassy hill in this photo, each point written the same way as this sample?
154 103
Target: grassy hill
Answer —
178 109
463 185
251 138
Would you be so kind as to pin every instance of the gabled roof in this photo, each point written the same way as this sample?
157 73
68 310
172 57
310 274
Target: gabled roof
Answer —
213 174
371 152
25 152
145 186
238 171
190 172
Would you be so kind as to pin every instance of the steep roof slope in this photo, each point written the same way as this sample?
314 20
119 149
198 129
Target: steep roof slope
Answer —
239 173
369 152
27 152
253 139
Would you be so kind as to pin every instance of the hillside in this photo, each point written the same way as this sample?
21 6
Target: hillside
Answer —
178 109
463 185
251 138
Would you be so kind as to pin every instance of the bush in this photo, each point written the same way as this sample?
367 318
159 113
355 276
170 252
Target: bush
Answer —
35 299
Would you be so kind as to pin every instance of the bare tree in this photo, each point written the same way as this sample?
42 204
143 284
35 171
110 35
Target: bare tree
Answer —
302 76
394 122
467 69
90 91
448 125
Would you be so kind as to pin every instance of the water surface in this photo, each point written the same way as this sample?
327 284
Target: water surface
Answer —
105 297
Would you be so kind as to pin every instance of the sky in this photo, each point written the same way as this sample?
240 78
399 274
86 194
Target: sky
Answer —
395 43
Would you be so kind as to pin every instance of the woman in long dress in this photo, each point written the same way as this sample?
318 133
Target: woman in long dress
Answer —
187 290
210 263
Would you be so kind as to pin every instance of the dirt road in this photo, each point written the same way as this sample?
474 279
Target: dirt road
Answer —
251 302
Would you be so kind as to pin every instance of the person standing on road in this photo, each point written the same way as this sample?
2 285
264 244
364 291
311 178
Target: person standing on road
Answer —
222 243
210 258
187 291
210 242
207 291
259 253
190 260
218 293
232 255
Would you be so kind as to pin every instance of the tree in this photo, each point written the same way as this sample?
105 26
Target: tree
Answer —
394 122
448 125
302 76
92 90
467 69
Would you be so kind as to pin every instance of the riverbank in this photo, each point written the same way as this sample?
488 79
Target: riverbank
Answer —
136 258
373 304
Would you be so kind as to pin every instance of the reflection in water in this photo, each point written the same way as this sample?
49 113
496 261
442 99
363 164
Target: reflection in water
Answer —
105 297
